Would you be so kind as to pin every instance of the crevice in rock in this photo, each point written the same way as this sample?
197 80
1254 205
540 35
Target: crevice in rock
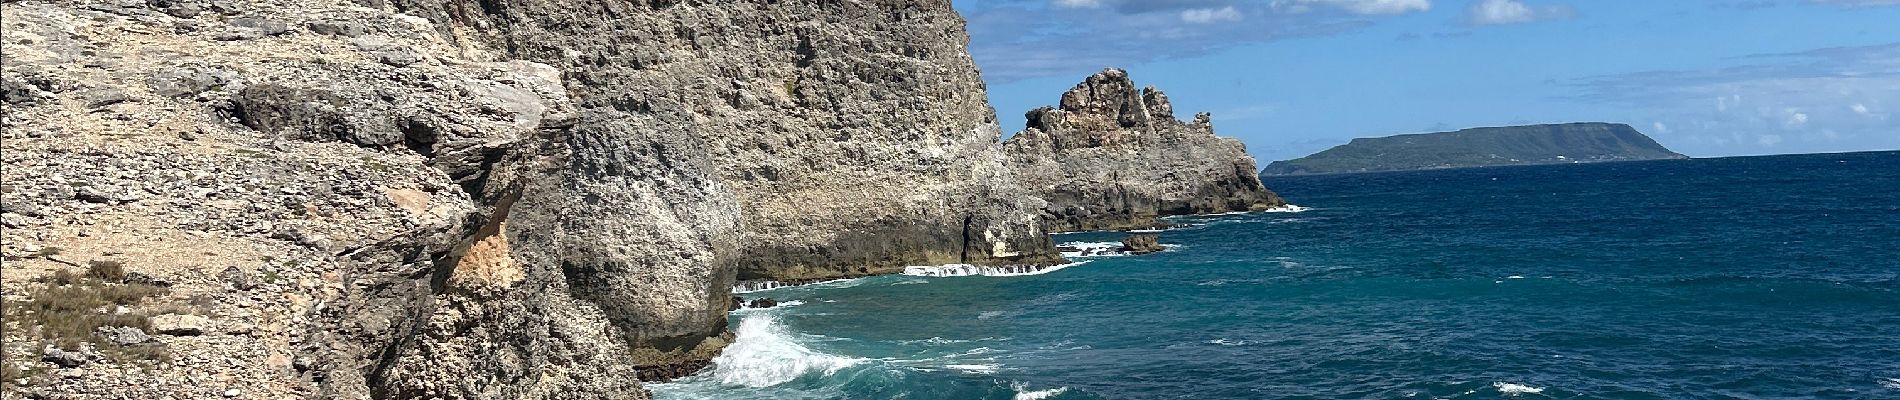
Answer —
418 136
968 239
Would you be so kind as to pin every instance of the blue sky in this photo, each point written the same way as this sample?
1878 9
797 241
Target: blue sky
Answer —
1292 77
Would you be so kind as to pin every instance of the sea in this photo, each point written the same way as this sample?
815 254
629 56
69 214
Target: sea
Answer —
1774 277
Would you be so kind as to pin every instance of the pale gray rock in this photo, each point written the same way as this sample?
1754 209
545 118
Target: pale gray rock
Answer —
124 335
1113 157
180 324
63 358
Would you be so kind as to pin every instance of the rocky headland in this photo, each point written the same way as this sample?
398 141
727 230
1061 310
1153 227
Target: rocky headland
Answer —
1111 156
466 199
512 200
1581 142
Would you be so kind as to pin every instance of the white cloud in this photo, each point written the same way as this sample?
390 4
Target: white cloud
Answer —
1365 7
1797 118
1660 128
1722 103
1210 15
1502 12
1811 101
1767 140
1078 3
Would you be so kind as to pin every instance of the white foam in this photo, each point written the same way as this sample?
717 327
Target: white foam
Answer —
1102 249
759 286
1891 383
932 340
839 283
1093 249
1229 342
764 354
1023 392
974 368
951 270
1514 389
1289 208
756 286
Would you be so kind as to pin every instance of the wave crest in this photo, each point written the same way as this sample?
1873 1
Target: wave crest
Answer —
950 270
764 354
1514 389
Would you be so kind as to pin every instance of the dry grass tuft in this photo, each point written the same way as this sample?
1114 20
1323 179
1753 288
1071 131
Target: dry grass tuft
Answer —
67 308
106 270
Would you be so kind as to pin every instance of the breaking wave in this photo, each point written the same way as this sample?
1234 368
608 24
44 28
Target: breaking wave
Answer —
1091 249
763 285
950 270
764 354
757 286
1289 208
1099 249
1023 392
1514 389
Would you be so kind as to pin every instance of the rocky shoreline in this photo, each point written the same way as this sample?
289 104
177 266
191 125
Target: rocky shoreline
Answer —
489 200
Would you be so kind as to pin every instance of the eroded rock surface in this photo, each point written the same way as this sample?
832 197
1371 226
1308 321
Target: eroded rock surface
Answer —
855 136
1114 157
351 202
482 199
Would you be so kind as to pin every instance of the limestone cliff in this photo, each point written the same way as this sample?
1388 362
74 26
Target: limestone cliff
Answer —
479 199
856 136
1113 157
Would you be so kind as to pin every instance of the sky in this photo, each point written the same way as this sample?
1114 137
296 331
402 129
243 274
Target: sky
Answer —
1293 77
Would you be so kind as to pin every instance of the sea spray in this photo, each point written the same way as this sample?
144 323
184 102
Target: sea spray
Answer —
950 270
756 286
1289 208
764 354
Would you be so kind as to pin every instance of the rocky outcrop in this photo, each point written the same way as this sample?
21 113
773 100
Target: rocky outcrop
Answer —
1582 142
1142 243
480 199
1113 157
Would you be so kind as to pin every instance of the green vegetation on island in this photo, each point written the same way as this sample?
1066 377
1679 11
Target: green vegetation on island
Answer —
1482 147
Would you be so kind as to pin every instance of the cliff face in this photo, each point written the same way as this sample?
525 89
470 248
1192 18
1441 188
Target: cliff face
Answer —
476 199
855 136
1481 147
1113 157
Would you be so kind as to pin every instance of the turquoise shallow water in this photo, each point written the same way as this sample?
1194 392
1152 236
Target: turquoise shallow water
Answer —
1763 277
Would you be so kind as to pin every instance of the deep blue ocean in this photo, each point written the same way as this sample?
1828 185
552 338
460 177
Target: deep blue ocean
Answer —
1731 278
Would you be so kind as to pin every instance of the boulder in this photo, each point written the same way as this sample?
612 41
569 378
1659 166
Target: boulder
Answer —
63 358
1142 243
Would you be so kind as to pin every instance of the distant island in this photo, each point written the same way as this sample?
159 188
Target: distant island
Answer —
1581 142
